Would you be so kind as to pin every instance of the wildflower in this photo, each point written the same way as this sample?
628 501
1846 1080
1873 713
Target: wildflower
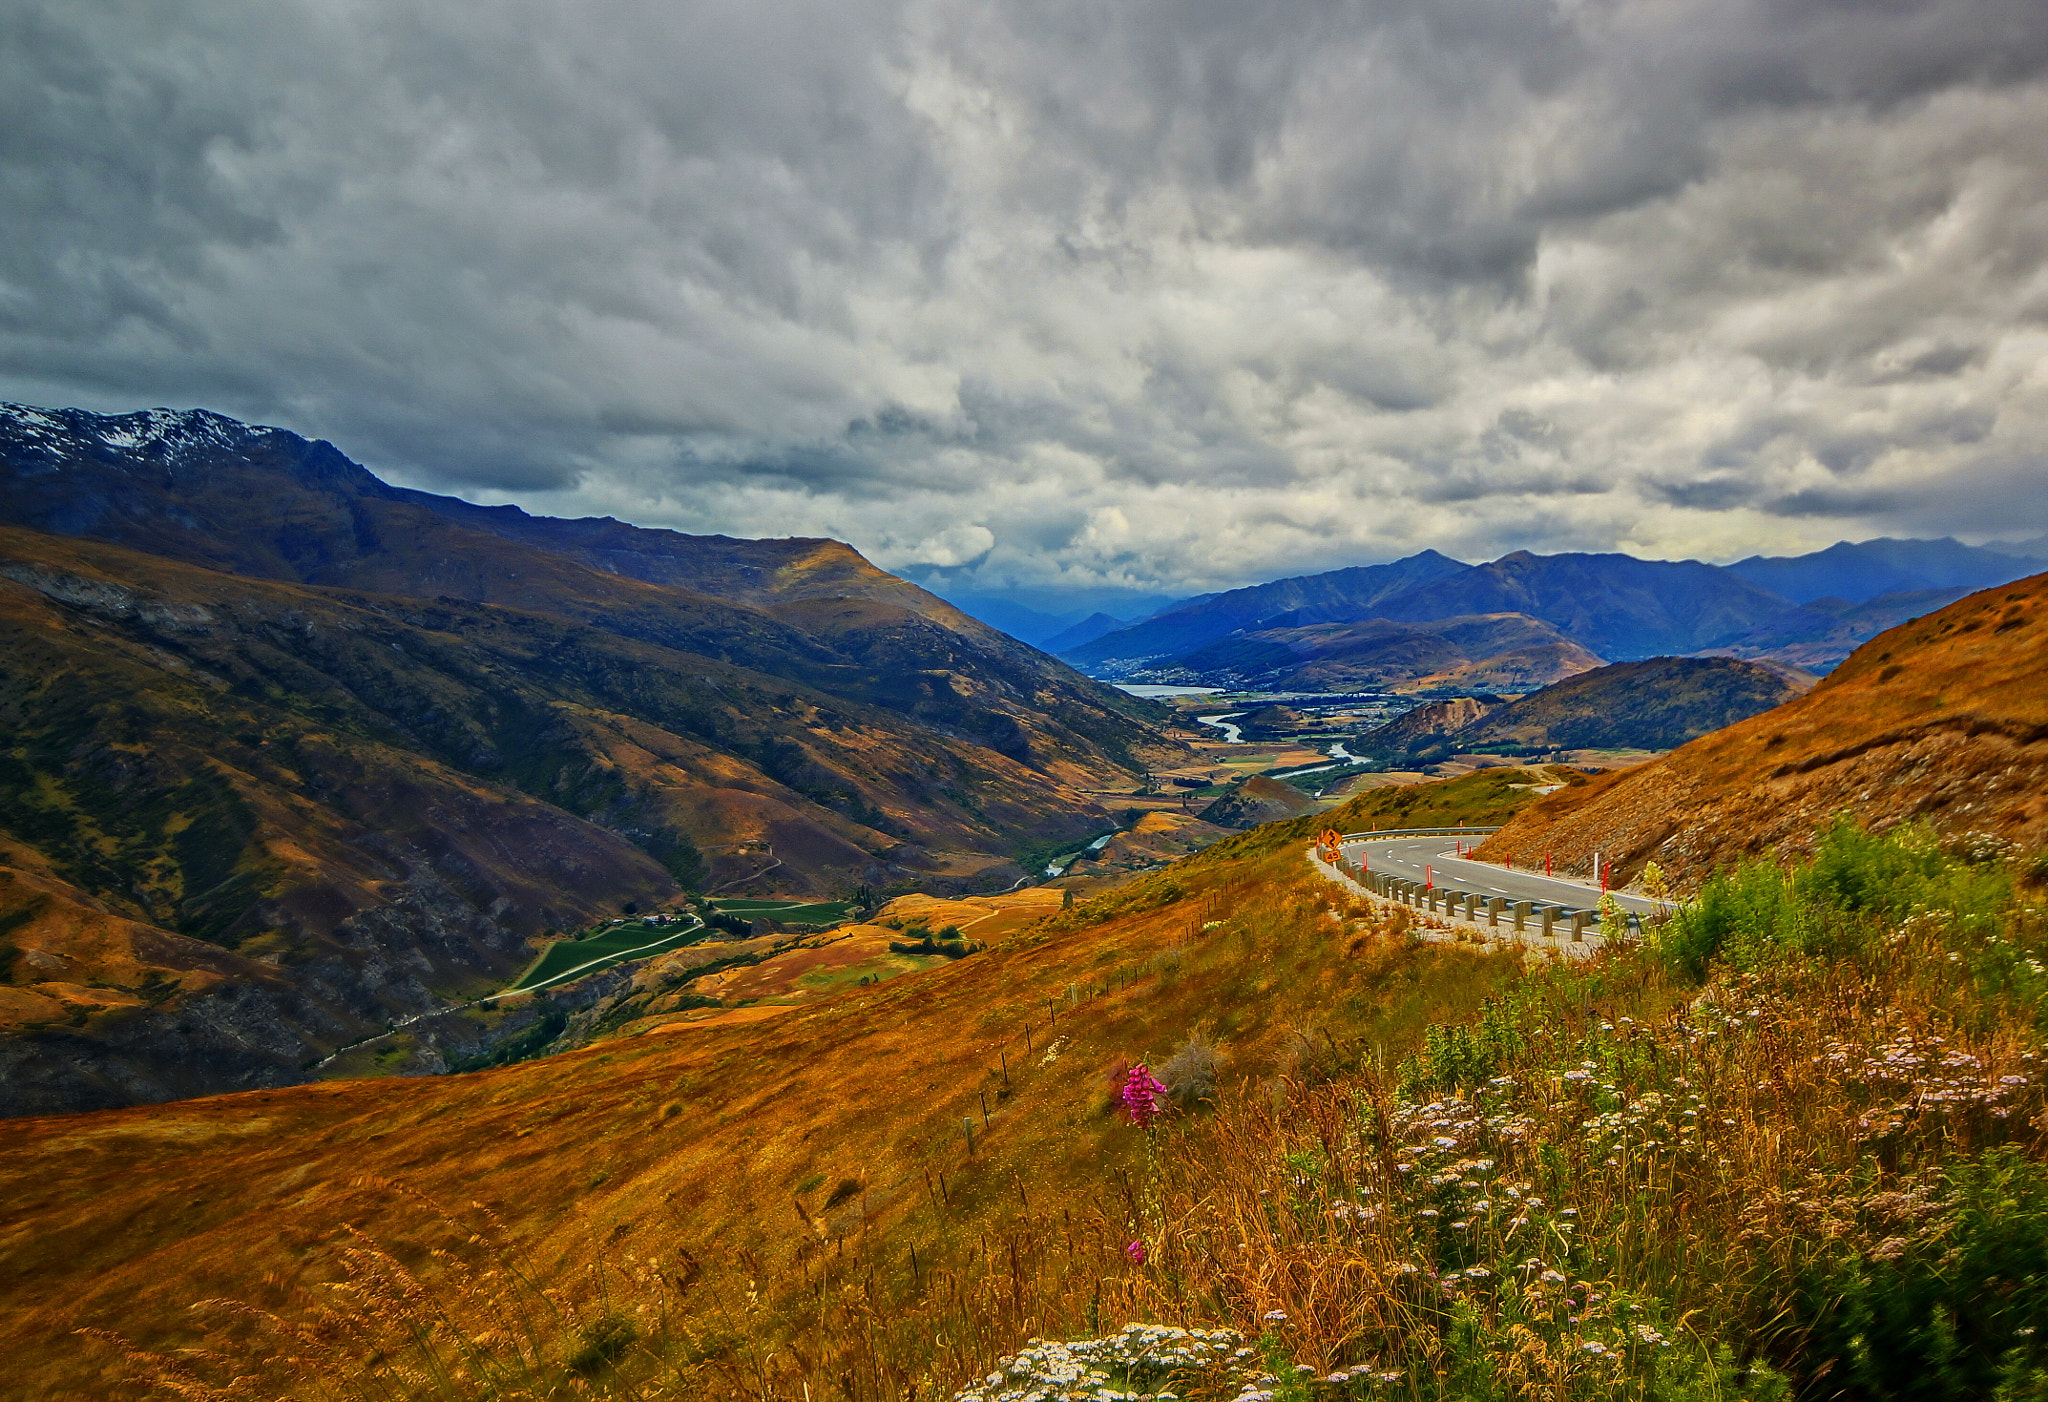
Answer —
1275 1316
1141 1095
1134 1252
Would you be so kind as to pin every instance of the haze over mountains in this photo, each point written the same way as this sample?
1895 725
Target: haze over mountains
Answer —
1417 623
289 752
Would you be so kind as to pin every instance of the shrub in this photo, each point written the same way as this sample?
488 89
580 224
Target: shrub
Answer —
1190 1073
1957 1310
1832 903
603 1342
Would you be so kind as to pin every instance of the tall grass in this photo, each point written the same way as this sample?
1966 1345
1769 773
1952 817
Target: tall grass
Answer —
1791 1147
468 1318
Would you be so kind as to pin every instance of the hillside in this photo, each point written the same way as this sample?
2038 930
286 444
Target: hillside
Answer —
263 502
1507 652
1819 634
1658 704
1430 728
1381 1160
385 801
627 1148
1568 609
1257 800
325 727
1615 605
1087 630
1944 719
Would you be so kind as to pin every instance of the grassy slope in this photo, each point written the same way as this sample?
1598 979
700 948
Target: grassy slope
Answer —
1687 1169
1944 717
640 1143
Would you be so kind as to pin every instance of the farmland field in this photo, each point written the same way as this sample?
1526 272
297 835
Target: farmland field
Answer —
802 912
613 946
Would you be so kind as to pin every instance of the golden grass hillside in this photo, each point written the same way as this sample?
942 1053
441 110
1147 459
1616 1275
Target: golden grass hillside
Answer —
1943 718
709 1180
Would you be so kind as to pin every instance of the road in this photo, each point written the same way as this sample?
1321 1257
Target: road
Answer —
1412 857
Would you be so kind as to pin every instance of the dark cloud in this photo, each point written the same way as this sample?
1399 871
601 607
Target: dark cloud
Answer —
1067 297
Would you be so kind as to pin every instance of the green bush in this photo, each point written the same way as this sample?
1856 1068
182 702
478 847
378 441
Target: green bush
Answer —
603 1342
1831 903
1957 1311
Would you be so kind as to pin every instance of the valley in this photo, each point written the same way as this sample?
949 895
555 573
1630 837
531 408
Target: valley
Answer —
698 863
976 701
868 1155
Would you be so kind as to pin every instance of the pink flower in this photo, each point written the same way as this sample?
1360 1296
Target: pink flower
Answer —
1135 1253
1141 1096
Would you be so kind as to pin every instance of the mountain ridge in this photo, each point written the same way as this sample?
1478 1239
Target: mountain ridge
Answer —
1808 611
259 700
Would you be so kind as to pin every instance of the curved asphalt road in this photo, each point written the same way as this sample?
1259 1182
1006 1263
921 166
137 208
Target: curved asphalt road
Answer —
1409 856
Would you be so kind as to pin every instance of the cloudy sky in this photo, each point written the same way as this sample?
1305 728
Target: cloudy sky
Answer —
1070 295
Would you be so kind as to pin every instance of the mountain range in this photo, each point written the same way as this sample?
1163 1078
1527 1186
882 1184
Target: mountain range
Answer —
287 753
1410 624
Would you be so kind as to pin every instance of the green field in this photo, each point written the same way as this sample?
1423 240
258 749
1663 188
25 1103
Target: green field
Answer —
802 912
612 946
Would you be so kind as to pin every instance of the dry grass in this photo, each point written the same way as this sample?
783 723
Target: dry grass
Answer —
1428 1173
693 1146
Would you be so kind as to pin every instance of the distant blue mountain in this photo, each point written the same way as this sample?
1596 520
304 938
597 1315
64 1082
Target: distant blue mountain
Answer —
1339 594
1095 625
1026 625
1862 571
1616 606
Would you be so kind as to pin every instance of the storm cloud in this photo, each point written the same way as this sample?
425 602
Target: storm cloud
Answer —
1071 295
